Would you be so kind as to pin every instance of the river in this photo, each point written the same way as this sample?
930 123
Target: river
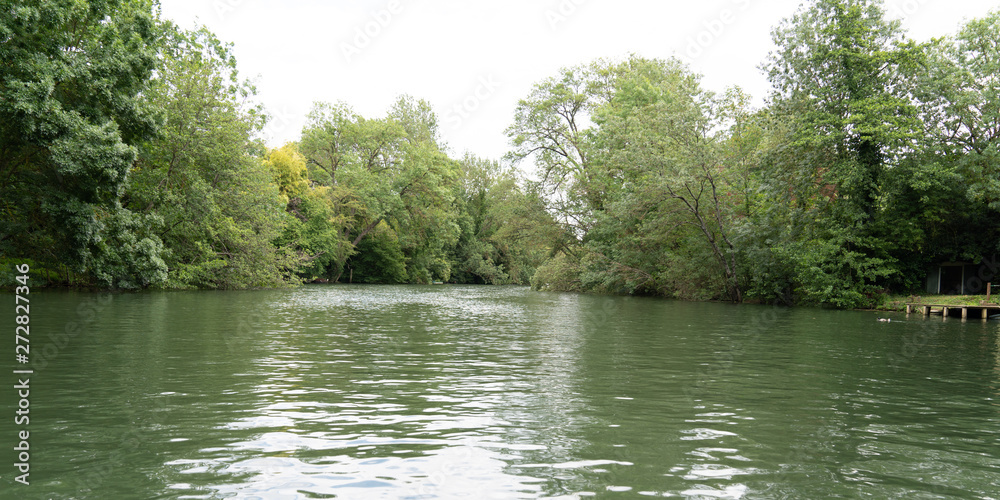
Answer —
421 392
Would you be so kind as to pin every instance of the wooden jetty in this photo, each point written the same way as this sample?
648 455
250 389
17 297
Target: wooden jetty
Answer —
983 311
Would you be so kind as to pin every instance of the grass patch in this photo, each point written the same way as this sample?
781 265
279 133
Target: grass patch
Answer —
898 302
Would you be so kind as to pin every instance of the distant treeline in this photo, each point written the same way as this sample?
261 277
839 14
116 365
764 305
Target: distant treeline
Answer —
130 158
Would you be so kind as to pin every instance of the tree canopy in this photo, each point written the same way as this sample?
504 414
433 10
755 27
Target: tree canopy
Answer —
131 157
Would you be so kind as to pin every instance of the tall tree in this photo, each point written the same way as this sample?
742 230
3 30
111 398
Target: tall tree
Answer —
960 96
550 129
314 228
71 115
656 135
630 163
844 72
221 209
843 78
505 231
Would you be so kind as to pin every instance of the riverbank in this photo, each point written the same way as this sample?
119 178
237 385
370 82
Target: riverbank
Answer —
898 302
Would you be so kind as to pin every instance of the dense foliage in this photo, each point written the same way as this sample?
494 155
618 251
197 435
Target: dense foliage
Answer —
875 157
130 157
71 118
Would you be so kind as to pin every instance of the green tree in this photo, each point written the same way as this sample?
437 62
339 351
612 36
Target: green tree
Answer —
947 192
221 208
656 135
843 71
379 258
71 115
959 97
427 224
551 130
505 231
643 189
388 170
843 80
315 229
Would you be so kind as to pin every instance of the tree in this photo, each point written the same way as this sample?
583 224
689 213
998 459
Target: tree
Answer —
505 231
959 95
379 258
630 185
71 115
314 229
389 170
947 192
550 129
656 135
288 167
843 72
426 226
842 77
219 203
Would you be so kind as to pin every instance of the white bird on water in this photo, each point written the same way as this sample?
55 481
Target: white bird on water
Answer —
886 320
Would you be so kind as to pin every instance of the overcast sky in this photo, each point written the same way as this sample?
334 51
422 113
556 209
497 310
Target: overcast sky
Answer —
473 60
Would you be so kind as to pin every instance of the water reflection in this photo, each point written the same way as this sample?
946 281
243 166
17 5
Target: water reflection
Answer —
996 366
404 408
486 392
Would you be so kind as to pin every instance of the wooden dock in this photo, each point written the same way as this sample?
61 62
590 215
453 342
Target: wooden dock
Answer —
983 311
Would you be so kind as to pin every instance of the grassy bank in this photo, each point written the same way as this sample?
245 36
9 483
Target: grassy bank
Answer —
898 302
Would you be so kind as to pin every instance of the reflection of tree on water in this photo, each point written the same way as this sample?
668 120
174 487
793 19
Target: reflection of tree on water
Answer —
401 393
547 413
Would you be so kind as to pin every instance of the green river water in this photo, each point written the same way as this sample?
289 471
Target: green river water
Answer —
426 392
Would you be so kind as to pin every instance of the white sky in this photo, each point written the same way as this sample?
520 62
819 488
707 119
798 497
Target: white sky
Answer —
483 56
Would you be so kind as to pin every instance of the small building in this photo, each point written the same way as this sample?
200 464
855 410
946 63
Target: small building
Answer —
962 278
